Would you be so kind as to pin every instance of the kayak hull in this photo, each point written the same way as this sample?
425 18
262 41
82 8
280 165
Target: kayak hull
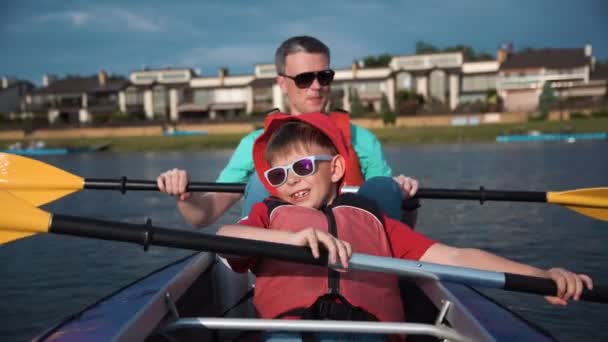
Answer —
203 286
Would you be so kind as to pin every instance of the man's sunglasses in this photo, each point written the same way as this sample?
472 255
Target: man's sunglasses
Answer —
302 167
305 79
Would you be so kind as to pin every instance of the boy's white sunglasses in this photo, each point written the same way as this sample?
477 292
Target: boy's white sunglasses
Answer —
302 167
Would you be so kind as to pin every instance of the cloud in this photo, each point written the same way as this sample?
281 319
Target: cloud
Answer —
242 56
99 18
75 18
133 21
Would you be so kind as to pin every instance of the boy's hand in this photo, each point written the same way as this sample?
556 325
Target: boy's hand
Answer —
569 285
408 185
336 248
174 182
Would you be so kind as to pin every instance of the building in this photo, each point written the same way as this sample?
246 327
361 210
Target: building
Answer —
446 81
12 92
223 96
522 75
157 93
76 99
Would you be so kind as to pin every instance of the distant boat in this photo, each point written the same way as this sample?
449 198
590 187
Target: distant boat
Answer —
568 137
46 151
183 133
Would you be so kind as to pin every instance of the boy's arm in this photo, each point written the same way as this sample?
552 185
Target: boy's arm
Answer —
569 285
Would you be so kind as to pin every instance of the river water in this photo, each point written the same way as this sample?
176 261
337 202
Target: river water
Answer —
47 277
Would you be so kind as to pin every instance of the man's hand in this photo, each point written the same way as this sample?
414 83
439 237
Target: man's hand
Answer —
174 182
408 185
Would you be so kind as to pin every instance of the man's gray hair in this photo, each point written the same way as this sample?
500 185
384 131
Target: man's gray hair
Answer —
298 44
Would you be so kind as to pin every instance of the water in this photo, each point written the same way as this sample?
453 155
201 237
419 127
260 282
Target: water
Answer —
48 277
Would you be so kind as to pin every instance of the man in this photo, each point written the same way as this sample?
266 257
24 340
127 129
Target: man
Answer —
303 73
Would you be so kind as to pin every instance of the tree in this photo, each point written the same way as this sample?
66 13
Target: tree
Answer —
377 61
424 47
468 52
388 116
546 100
356 107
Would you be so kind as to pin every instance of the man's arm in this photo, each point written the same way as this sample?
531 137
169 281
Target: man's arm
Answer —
201 210
370 153
373 163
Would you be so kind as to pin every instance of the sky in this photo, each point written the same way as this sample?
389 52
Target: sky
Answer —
69 37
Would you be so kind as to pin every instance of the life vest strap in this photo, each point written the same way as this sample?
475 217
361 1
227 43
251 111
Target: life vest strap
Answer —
331 307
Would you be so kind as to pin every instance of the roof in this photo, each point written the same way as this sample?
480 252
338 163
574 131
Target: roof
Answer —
78 85
547 58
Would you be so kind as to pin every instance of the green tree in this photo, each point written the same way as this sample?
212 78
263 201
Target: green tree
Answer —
388 116
546 100
356 107
377 61
468 52
424 47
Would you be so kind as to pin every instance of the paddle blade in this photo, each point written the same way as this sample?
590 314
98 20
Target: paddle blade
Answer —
34 181
592 202
596 213
20 219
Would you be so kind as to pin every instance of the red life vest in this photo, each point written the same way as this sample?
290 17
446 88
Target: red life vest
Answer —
376 293
335 126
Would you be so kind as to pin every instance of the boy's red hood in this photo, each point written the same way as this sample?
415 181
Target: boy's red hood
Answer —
274 121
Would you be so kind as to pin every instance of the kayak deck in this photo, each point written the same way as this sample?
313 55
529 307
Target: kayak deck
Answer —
199 298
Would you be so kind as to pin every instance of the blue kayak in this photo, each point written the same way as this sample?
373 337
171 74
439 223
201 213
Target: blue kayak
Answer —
199 298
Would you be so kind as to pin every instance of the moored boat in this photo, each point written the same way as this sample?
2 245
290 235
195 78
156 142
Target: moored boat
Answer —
200 299
568 137
47 151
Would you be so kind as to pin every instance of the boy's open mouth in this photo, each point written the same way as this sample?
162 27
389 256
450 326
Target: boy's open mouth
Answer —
300 195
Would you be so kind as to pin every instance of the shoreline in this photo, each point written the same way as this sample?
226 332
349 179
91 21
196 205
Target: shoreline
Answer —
388 136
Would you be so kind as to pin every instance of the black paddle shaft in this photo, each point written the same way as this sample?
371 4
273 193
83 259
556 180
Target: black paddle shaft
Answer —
483 195
547 287
123 184
148 235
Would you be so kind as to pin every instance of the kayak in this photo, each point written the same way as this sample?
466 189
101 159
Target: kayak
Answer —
200 298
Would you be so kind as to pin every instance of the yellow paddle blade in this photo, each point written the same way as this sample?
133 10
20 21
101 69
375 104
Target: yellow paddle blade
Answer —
592 202
20 219
34 181
597 213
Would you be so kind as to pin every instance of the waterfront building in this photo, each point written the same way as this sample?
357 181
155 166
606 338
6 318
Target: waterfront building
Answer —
75 99
570 72
12 91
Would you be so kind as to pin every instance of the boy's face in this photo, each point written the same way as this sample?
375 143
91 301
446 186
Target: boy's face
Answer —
315 190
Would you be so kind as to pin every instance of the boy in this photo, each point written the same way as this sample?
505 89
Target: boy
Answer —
300 159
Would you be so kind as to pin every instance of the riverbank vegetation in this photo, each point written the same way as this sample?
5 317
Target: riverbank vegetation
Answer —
390 135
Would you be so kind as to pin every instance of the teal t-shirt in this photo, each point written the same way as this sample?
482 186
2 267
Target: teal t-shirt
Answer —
368 149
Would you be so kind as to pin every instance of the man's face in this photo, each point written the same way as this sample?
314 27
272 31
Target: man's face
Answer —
310 99
315 190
